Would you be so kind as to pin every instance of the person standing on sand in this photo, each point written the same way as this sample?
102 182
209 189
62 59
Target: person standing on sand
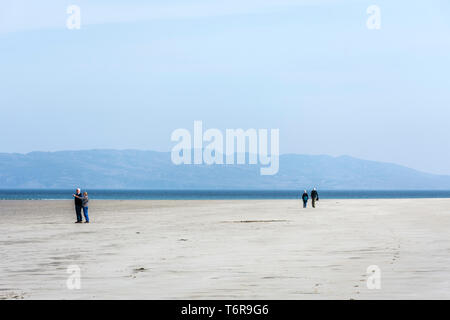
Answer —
314 197
305 198
78 205
85 204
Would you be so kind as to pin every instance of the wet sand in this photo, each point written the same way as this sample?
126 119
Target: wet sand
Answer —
217 249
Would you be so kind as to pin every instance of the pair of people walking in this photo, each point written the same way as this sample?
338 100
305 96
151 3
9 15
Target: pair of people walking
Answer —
314 198
81 203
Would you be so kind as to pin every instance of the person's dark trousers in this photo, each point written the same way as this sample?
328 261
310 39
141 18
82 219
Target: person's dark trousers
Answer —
78 211
85 213
305 203
313 203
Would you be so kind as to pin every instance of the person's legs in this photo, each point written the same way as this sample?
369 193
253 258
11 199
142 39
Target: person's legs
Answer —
305 203
313 203
85 212
78 212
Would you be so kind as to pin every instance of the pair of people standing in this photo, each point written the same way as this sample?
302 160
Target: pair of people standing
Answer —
314 198
81 203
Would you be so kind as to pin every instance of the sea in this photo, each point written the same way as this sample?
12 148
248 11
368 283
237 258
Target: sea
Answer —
108 194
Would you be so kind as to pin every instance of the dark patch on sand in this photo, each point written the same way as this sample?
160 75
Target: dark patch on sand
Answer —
255 221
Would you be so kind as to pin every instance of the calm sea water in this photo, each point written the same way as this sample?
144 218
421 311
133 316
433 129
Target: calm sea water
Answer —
217 194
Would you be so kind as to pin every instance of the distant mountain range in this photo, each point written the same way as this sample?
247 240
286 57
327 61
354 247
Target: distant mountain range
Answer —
133 169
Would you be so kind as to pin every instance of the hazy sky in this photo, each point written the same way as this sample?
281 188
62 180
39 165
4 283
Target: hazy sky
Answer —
137 70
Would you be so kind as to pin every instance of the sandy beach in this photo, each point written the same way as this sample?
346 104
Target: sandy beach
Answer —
226 249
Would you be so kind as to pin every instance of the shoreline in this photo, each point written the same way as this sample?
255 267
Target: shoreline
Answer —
233 199
98 194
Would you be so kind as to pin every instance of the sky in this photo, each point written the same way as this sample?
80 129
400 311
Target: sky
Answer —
137 70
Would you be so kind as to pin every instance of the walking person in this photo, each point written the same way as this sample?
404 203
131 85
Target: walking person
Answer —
305 198
314 197
78 205
85 205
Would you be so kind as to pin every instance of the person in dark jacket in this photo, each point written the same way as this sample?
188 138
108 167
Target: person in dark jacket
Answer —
314 197
305 198
78 205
